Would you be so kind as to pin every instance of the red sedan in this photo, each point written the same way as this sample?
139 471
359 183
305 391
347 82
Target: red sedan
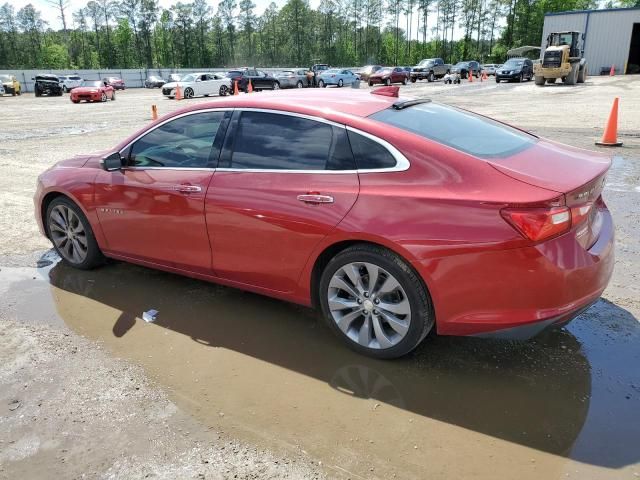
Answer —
392 215
389 75
93 91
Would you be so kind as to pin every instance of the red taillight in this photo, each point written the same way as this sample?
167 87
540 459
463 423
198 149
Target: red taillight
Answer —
539 223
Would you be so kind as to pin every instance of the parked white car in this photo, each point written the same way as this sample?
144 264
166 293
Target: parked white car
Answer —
198 84
69 82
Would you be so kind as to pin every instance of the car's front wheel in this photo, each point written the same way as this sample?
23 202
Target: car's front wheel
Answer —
71 234
299 84
188 93
375 301
103 98
276 85
321 84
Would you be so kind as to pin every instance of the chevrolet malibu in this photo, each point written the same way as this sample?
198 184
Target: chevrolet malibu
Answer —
393 216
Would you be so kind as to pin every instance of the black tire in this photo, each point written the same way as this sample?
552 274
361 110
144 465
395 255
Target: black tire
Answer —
37 92
413 79
370 83
387 82
340 83
275 86
94 255
299 84
404 81
188 92
321 84
431 77
224 91
422 318
497 80
103 98
521 78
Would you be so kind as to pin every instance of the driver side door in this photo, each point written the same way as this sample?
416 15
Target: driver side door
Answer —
153 208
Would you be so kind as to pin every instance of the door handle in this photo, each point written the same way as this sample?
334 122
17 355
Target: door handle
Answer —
315 198
187 188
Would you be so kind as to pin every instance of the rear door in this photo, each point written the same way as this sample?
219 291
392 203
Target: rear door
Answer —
153 209
283 183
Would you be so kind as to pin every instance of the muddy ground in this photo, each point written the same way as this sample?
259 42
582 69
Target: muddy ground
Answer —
228 384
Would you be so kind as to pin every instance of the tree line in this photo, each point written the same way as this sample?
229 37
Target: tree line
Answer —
140 34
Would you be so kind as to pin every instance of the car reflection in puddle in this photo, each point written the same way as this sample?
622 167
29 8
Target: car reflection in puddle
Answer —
537 393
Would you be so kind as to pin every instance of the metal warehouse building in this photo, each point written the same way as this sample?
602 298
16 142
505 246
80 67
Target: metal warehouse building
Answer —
612 36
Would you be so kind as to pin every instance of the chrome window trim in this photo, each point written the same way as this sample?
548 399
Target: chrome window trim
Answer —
402 162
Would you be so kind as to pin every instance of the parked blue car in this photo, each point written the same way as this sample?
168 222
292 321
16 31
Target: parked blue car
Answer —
336 76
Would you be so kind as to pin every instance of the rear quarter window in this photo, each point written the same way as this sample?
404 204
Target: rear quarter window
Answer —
464 131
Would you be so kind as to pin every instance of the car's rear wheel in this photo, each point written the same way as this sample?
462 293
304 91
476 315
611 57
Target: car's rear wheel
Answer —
375 302
188 93
321 84
103 98
276 85
71 234
387 82
224 91
413 79
431 77
299 84
340 83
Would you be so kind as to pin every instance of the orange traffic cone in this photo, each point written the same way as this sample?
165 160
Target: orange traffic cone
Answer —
235 88
484 75
249 87
178 93
470 76
612 72
154 112
610 136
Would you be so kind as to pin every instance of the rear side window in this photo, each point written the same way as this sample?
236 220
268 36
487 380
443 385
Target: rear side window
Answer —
370 154
461 130
271 141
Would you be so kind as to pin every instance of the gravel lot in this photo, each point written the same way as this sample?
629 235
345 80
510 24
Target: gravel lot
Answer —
89 390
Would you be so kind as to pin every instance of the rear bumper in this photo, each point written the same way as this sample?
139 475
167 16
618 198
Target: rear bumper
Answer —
529 288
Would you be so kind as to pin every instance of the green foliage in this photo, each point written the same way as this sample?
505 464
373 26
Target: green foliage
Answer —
138 33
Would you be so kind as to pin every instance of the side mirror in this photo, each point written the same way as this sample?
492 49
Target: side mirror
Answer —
112 162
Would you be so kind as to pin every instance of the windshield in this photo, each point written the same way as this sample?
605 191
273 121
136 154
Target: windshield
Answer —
287 72
384 70
74 78
461 64
333 70
233 73
513 63
459 129
93 83
424 62
188 78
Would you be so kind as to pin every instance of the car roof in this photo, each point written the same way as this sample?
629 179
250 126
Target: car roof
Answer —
331 105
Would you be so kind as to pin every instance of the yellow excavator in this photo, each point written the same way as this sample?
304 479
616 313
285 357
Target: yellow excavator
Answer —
563 58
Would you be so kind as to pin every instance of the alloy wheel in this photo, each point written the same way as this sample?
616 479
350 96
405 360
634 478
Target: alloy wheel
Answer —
369 305
68 234
104 97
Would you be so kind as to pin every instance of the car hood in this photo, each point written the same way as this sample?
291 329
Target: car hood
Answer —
553 166
175 84
85 89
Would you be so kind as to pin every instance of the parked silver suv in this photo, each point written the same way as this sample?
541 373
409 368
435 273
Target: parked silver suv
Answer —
69 82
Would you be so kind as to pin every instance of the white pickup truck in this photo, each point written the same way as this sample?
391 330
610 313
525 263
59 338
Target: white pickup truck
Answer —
69 82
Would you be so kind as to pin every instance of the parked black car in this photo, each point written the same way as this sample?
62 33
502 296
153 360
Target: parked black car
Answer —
154 81
259 80
47 84
463 69
515 69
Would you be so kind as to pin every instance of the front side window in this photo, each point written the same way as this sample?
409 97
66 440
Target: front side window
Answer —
461 130
271 141
186 142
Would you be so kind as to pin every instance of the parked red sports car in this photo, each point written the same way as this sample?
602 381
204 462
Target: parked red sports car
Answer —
389 75
93 91
392 215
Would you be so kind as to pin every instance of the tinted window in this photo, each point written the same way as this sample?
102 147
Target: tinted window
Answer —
370 154
184 142
283 142
458 129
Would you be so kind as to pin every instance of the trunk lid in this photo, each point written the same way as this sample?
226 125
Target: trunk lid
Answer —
553 166
578 174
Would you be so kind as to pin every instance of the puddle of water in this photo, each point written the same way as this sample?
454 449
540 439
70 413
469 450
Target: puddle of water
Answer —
270 372
624 176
